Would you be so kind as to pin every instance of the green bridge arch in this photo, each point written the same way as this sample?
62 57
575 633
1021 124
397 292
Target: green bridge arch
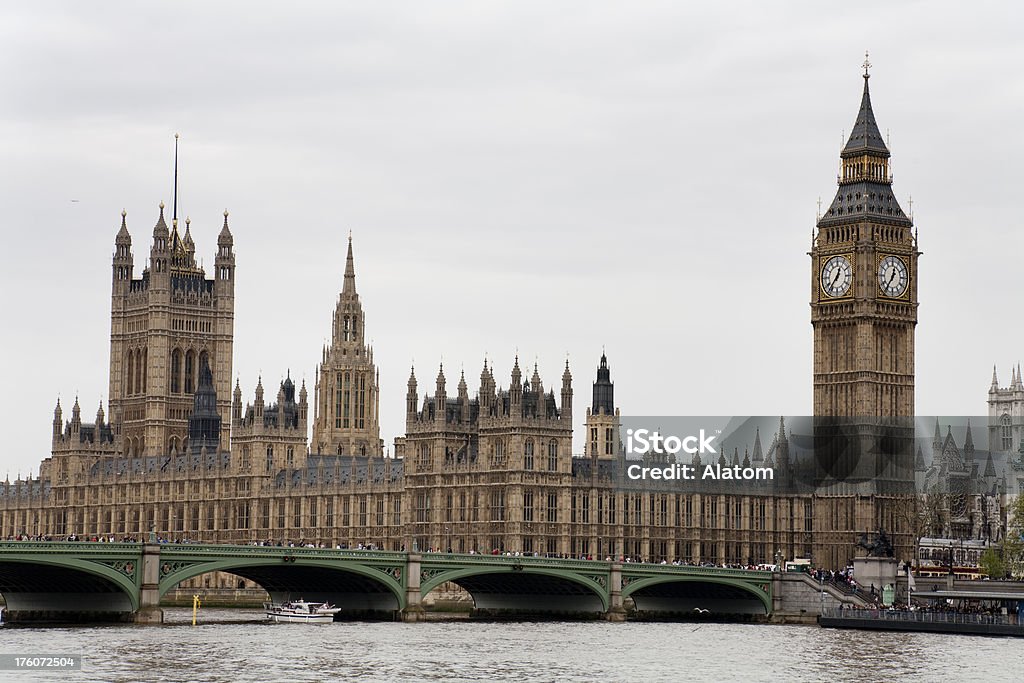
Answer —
174 571
123 574
453 575
751 587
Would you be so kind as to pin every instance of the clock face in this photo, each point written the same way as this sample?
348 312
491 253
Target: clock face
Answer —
893 277
836 276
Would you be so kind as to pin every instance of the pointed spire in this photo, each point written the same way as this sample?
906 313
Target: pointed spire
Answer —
865 136
758 456
968 439
224 239
990 468
995 381
160 229
123 236
350 271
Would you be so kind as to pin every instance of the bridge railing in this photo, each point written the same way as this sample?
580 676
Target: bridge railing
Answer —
921 616
303 551
65 546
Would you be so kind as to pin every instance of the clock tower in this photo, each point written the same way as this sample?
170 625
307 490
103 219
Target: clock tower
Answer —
863 311
864 286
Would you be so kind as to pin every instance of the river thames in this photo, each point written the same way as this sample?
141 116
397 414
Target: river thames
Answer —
236 645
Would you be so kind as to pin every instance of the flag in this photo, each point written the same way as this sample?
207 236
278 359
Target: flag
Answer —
910 579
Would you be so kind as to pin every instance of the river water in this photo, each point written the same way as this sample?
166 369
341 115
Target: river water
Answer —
236 645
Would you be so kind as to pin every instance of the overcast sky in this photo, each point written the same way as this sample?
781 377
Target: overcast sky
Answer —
543 177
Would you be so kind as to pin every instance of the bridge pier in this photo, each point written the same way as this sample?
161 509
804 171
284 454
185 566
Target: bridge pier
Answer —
413 610
149 589
616 612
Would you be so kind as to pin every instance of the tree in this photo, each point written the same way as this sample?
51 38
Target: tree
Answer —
992 563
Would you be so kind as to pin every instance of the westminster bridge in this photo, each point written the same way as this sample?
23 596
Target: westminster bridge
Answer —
89 581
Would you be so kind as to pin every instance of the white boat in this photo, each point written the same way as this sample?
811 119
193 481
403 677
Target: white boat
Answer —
301 611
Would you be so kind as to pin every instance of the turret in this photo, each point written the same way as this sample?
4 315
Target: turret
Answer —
159 253
99 416
204 423
463 399
225 261
515 390
58 421
487 394
76 417
303 402
122 263
566 404
410 396
604 390
259 398
236 403
440 398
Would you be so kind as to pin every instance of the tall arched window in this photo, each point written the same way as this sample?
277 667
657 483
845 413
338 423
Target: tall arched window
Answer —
190 372
176 371
1006 431
129 387
528 454
145 363
553 455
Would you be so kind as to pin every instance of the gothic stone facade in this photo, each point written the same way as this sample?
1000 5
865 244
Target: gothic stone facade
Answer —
490 472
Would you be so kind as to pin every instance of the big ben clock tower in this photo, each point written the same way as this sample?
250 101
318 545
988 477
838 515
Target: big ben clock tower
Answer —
863 311
864 286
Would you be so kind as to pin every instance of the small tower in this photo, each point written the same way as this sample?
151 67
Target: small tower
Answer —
463 399
566 405
515 391
159 252
225 261
259 405
411 396
603 423
440 397
58 422
236 403
204 423
122 265
303 402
